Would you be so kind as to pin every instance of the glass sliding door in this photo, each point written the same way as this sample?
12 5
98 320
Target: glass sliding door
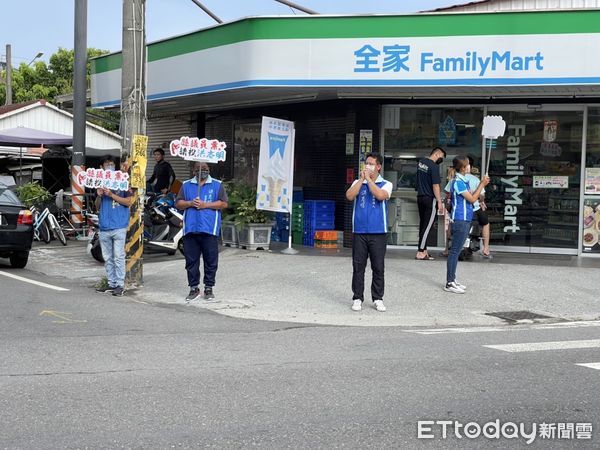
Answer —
535 170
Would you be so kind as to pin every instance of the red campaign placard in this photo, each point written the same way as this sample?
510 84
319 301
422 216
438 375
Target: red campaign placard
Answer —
349 175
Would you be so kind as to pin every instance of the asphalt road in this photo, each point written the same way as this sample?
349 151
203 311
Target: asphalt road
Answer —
86 370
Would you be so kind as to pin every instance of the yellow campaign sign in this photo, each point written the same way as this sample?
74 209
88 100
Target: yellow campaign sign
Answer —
140 160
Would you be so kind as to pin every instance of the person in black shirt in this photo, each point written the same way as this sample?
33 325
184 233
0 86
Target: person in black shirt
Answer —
163 173
429 197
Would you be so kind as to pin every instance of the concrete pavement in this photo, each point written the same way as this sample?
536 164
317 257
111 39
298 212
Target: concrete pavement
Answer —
314 286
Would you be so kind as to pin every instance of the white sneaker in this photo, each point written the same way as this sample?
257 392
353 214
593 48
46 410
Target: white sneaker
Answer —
356 305
461 286
379 306
453 287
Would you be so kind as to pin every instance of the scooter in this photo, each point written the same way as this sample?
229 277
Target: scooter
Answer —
163 224
163 227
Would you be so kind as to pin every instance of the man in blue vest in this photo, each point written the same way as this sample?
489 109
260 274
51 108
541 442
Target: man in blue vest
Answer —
370 194
202 199
113 215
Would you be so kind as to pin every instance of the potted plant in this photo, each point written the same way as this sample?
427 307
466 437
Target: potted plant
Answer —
251 226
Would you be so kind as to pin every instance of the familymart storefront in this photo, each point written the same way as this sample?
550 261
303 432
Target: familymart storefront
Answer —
402 85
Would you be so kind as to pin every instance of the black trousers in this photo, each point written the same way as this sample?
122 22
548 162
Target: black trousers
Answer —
205 246
368 246
427 213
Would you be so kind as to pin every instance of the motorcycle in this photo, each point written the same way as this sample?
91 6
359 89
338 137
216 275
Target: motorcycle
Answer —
163 224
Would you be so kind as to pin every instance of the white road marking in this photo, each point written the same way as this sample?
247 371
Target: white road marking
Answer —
549 326
542 346
590 365
37 283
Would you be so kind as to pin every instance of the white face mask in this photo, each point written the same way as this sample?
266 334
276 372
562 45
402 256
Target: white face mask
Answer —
468 169
371 167
110 167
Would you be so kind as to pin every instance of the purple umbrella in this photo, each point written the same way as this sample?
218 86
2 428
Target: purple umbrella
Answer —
28 137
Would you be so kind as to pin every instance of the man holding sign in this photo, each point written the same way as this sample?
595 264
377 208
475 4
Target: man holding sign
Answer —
202 198
113 207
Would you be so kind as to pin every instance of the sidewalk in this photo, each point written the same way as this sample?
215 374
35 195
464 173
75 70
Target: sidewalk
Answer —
314 286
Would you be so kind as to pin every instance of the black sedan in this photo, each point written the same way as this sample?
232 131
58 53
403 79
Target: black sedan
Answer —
16 228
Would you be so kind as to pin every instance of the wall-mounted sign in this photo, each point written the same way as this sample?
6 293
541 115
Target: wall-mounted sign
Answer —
349 143
592 180
365 145
550 182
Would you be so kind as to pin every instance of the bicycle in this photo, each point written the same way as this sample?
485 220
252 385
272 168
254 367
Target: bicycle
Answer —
40 227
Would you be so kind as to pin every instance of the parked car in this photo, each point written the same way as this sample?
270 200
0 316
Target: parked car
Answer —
16 228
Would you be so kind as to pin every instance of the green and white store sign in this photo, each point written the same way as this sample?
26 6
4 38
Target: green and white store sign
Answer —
503 49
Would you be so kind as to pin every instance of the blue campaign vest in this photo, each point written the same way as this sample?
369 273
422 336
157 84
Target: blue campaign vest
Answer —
113 215
369 215
461 208
202 220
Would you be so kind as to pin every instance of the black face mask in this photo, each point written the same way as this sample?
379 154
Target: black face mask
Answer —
439 161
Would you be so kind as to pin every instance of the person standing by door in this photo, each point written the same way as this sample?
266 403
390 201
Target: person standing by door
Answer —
429 197
163 174
370 194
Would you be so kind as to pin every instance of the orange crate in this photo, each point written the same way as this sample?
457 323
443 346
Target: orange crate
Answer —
325 244
326 235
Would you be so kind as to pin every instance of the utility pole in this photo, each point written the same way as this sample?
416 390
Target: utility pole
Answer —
8 76
133 121
79 108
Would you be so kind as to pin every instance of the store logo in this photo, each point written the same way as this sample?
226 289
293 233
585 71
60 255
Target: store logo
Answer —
515 170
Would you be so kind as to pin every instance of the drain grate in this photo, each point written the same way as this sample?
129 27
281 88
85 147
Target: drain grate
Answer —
515 316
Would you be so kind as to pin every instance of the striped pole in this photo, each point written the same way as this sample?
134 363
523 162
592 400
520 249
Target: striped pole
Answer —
134 246
77 197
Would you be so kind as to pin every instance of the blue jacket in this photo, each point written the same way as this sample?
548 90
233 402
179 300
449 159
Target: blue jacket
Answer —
369 215
113 215
201 220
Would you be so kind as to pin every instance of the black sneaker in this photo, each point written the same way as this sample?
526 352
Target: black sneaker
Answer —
104 289
208 294
193 295
118 291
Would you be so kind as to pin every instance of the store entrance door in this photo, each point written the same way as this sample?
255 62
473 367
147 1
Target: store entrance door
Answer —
533 197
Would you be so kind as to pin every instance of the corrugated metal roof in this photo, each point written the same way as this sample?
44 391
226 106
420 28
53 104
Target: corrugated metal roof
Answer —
15 106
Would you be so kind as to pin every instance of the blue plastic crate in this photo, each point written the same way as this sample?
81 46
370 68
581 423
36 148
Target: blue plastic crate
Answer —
320 205
297 195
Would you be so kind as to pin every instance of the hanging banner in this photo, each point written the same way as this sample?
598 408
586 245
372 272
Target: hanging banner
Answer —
276 165
139 157
195 149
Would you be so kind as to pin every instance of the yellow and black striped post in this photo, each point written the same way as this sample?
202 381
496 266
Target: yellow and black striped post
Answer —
134 246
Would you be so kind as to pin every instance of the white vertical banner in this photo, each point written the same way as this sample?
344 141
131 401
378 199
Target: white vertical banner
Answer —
276 166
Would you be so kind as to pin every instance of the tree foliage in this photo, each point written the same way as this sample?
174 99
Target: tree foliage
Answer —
46 81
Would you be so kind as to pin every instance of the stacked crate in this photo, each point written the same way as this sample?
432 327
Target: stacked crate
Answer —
298 223
318 215
329 239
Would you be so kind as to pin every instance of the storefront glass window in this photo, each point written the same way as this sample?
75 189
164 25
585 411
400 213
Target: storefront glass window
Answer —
410 134
246 152
533 197
591 202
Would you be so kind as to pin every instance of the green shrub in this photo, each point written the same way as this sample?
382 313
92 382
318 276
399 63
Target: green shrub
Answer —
242 205
33 194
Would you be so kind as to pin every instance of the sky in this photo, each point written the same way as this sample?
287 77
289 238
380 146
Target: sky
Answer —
33 26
